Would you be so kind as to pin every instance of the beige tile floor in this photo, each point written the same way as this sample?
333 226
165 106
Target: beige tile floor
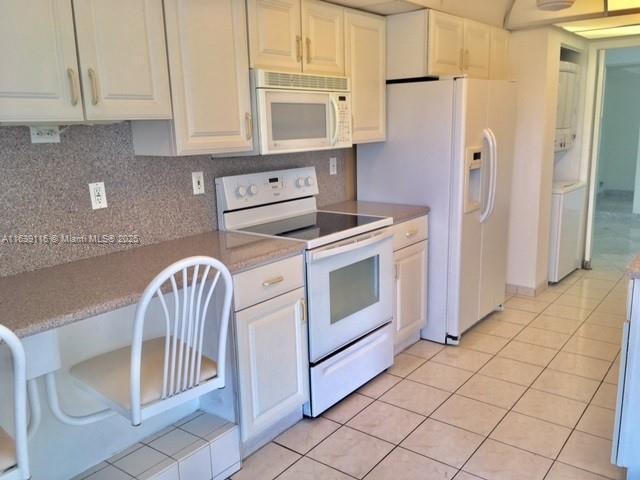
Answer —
529 394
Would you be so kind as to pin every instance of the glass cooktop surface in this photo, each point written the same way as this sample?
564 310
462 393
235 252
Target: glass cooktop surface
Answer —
311 225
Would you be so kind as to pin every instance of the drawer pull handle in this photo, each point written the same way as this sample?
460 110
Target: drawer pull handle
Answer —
273 281
411 233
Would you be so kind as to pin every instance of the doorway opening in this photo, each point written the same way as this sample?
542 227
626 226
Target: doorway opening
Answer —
615 236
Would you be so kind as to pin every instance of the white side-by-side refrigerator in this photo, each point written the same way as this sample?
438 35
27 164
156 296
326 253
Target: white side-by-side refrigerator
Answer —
450 146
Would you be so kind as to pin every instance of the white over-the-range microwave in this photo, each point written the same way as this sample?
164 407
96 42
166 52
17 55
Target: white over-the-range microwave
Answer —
296 112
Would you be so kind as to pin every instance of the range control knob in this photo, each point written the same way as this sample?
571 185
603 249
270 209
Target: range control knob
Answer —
300 182
241 191
308 181
253 189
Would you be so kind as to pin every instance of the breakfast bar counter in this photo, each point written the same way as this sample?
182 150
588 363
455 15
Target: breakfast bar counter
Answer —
48 298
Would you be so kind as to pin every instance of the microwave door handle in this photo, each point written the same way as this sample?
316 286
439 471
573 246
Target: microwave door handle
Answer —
334 251
334 105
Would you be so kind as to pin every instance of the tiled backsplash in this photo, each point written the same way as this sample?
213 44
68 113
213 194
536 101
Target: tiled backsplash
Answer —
44 191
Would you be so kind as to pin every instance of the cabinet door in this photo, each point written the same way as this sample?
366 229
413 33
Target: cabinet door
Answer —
123 59
411 292
209 65
446 44
273 361
365 59
477 49
275 37
500 61
38 64
323 35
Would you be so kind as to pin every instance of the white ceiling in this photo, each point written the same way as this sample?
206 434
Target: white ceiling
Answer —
492 12
586 17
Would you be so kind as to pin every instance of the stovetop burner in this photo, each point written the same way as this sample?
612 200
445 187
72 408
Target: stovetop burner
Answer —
311 226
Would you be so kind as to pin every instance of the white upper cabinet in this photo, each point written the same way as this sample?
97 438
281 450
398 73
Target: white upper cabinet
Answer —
275 37
296 35
365 66
323 38
122 73
432 43
477 49
38 65
500 63
123 59
445 44
208 63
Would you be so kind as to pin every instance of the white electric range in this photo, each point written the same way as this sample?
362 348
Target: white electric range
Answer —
349 271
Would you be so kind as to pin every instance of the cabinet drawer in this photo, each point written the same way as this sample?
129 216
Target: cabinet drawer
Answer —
262 283
410 232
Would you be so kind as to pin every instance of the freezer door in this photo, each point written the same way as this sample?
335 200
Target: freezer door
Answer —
413 166
495 228
471 102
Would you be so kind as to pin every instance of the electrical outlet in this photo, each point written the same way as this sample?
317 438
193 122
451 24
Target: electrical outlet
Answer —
98 195
333 166
49 134
198 183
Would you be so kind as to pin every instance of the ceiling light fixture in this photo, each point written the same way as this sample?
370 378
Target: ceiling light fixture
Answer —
554 4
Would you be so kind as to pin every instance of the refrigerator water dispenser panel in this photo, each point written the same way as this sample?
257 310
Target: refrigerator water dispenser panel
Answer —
473 179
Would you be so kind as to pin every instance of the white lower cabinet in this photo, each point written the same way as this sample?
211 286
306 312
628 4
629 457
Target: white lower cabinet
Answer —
273 363
410 307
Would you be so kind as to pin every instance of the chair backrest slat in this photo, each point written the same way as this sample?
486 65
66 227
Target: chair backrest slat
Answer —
201 333
194 352
167 337
184 337
176 325
19 400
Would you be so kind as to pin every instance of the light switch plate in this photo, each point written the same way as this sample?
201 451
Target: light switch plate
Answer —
333 166
45 134
198 183
98 195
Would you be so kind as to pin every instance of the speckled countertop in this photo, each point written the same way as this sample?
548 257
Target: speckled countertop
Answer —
33 302
40 300
633 270
400 213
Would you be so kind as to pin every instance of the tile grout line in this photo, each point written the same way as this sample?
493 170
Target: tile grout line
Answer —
456 392
573 430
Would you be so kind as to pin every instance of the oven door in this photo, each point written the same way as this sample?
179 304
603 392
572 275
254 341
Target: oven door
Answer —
294 121
350 291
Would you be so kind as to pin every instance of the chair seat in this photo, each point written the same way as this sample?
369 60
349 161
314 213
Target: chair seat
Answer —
109 374
7 451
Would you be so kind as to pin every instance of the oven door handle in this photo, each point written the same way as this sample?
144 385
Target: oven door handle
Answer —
353 245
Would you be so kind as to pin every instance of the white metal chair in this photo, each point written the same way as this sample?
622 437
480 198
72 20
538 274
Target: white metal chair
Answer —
154 375
14 455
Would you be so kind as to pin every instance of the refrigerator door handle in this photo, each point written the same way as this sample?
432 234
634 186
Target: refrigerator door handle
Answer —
489 136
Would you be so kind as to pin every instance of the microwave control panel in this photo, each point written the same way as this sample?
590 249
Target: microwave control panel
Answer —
344 119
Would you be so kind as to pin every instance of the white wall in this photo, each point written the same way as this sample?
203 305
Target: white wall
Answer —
620 122
535 57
